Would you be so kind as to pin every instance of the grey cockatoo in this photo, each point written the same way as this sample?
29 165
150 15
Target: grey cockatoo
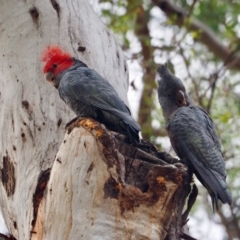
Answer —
193 136
87 93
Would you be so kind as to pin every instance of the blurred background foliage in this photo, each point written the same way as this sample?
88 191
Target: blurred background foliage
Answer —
201 42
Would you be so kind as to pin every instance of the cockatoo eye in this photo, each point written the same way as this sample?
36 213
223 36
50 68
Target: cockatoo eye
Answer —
54 65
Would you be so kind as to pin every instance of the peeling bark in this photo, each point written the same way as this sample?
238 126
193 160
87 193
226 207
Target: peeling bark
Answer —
38 194
4 237
8 175
106 194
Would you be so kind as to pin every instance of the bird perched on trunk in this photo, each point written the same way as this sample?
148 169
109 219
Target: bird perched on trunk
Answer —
193 136
87 93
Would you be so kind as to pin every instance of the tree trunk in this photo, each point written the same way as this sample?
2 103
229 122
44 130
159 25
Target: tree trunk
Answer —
93 189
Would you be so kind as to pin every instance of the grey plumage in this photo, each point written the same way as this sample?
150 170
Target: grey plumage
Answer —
89 95
193 136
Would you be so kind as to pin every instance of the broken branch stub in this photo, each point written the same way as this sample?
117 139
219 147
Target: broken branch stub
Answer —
101 187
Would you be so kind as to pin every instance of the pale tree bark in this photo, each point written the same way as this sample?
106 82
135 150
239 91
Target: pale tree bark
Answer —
80 185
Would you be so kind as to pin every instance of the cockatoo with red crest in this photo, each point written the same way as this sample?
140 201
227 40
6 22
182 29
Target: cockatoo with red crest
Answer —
87 93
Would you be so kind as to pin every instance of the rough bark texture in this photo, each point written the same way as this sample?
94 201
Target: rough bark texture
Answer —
100 188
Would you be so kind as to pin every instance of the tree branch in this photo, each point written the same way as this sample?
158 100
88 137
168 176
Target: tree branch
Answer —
234 231
146 103
206 36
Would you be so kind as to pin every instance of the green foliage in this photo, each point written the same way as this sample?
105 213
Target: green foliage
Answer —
219 15
121 16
